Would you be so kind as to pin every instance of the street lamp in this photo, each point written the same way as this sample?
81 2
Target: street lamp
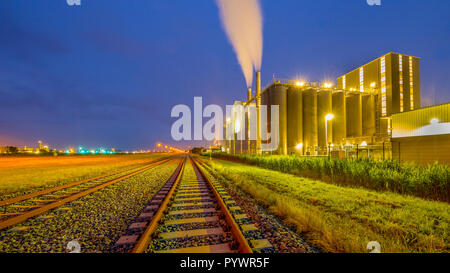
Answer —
327 118
434 121
237 126
299 147
229 139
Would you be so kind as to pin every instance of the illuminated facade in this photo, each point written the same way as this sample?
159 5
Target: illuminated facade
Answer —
395 77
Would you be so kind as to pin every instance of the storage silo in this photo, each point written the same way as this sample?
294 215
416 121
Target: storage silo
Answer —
294 119
324 99
368 115
265 100
278 96
354 116
309 121
340 120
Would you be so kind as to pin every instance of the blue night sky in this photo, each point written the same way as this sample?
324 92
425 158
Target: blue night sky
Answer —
107 73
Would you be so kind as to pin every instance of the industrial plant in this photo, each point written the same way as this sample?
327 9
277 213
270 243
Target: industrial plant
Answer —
353 119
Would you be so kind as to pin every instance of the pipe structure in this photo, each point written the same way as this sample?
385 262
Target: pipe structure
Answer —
249 94
258 112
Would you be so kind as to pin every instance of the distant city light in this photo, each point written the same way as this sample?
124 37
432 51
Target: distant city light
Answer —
300 83
364 144
327 85
329 117
299 146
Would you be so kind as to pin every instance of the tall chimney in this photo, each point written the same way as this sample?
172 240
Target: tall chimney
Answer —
258 112
249 94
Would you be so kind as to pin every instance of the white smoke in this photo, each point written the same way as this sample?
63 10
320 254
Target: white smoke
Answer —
242 21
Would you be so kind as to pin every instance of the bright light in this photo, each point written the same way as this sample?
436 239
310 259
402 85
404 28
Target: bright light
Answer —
329 117
237 126
299 146
228 120
373 84
434 121
364 144
300 83
158 145
166 146
327 85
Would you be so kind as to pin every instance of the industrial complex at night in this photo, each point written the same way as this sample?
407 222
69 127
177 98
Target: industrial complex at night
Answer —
244 128
357 118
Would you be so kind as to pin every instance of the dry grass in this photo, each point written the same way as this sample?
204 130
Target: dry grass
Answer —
20 175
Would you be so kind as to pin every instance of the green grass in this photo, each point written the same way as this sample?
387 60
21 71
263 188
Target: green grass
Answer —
343 219
431 182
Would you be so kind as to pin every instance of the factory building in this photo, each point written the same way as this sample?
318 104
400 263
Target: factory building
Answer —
365 115
316 118
422 136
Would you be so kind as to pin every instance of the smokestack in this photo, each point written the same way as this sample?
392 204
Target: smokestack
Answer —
258 84
249 94
258 112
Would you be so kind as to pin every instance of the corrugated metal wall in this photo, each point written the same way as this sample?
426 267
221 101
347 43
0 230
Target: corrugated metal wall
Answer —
418 122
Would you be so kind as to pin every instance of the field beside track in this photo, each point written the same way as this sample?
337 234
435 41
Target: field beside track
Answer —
95 221
343 219
24 174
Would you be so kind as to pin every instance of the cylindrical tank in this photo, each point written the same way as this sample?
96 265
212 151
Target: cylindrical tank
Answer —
354 115
294 119
368 115
265 100
339 121
309 121
278 96
324 99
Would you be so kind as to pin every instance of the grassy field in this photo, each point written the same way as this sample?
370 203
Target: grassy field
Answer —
20 175
431 182
343 219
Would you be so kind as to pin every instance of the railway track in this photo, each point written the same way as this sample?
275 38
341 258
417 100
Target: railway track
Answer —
19 209
192 214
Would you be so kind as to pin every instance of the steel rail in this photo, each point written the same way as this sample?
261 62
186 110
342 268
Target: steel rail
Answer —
65 186
143 242
244 247
47 207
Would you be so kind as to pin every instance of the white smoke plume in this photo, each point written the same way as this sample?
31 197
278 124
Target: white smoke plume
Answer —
242 21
